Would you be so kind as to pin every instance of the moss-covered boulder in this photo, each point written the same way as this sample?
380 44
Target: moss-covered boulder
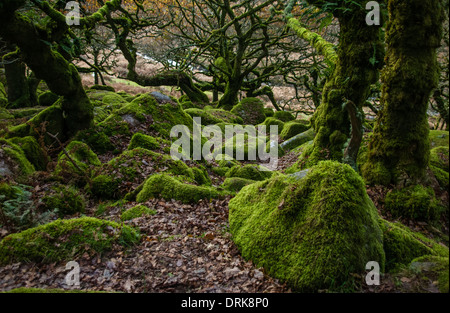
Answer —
143 141
243 147
235 184
83 157
167 187
33 151
224 115
67 200
137 211
311 233
249 171
414 202
47 98
402 245
159 118
293 128
13 161
65 240
284 116
272 121
206 117
129 170
53 118
251 110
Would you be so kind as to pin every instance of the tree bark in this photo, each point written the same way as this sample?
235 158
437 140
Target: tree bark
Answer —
399 150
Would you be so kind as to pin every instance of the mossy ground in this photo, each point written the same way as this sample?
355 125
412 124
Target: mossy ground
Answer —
126 157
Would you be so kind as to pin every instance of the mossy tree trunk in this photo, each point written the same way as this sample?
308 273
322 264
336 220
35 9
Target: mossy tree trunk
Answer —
359 57
61 77
18 88
399 149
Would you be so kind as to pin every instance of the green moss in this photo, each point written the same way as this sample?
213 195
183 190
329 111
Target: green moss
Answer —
26 112
65 240
103 87
81 154
132 167
206 117
5 114
251 110
235 184
269 121
441 177
439 158
167 187
47 98
137 211
438 138
311 233
66 199
105 187
249 171
436 266
244 147
402 245
298 139
414 202
52 116
7 192
33 151
201 176
13 157
284 116
143 141
293 128
268 112
224 116
159 117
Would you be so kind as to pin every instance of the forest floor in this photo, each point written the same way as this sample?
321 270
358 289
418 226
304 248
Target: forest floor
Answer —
185 248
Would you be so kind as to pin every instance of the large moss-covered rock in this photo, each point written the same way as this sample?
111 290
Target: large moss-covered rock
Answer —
402 245
33 151
53 118
13 162
311 233
65 240
83 157
129 170
439 138
206 117
293 128
168 188
251 110
432 267
159 118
